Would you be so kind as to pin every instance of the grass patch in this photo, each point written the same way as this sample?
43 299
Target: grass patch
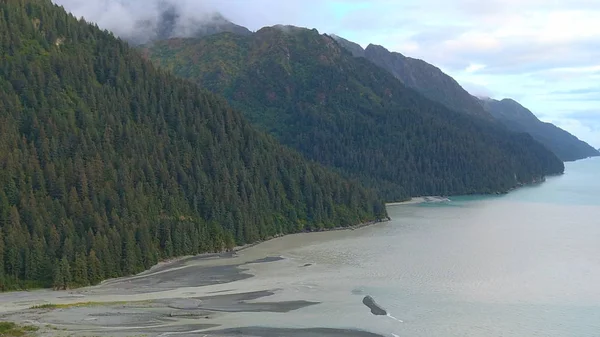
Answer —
10 329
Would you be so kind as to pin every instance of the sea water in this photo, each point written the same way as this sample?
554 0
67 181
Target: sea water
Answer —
518 265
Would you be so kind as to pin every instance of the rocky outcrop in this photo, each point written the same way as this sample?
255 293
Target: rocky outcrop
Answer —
376 309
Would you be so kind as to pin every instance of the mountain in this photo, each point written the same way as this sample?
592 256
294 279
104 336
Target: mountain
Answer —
421 76
350 114
518 118
171 23
352 47
436 85
108 165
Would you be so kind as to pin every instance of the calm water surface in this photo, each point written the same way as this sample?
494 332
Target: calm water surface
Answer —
520 265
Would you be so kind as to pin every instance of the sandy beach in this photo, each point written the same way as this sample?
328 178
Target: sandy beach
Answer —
419 200
195 295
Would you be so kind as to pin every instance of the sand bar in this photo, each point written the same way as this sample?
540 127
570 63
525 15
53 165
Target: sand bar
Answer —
420 200
189 296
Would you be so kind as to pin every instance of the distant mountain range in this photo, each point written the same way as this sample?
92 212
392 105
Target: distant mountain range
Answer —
421 76
352 115
417 74
518 118
438 86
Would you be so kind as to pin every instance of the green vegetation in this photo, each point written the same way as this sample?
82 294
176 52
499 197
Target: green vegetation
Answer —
350 114
434 84
518 118
108 165
9 329
427 79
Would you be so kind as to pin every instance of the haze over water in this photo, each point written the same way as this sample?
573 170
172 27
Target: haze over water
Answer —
519 265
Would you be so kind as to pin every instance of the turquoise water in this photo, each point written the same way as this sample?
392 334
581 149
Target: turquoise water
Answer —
580 185
518 265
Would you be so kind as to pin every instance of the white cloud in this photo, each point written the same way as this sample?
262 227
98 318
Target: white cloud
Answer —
473 67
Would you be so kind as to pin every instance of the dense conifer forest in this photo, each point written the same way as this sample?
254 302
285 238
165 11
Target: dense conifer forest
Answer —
108 165
431 82
348 113
518 118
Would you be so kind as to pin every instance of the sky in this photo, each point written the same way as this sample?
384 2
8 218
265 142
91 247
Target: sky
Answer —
543 53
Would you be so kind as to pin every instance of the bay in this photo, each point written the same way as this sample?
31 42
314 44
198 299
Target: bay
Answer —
522 264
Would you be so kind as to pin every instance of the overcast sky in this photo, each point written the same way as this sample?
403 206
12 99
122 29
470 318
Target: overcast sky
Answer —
543 53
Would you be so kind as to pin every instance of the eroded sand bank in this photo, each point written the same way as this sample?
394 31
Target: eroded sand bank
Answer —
192 296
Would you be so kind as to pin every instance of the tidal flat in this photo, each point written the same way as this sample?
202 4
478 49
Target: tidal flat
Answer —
186 297
517 265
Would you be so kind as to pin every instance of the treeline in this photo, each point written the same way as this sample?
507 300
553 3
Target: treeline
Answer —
108 165
347 113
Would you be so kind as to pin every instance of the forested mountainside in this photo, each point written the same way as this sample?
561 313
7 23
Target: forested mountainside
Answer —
436 85
348 113
518 118
108 165
426 78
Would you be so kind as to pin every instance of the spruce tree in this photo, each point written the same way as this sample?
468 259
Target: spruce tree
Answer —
80 270
94 266
65 274
108 165
58 279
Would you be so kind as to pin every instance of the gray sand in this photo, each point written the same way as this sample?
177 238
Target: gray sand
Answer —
152 317
183 273
234 303
272 332
187 297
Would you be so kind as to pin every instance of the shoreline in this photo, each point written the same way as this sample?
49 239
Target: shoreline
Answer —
420 200
214 294
203 294
437 198
235 250
339 228
225 254
188 295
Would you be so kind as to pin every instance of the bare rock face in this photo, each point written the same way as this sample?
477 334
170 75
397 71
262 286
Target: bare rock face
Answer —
376 309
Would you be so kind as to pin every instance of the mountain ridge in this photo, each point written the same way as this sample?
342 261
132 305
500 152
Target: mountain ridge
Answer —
426 78
518 118
433 83
341 111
